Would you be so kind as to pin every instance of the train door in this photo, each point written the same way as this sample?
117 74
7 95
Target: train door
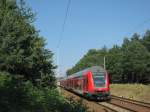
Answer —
85 83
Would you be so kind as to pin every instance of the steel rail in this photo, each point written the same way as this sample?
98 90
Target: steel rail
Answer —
126 108
106 107
139 103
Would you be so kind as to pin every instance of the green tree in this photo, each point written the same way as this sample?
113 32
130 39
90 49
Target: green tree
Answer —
113 64
146 40
134 61
22 50
129 63
92 58
146 43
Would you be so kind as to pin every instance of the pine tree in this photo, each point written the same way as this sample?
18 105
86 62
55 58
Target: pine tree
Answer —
22 50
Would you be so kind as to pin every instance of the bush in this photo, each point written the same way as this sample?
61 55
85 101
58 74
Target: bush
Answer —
17 96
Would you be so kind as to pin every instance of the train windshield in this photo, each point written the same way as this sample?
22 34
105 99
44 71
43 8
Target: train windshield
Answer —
99 79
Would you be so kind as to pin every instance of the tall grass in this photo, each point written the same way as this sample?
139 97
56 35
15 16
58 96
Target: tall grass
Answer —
132 91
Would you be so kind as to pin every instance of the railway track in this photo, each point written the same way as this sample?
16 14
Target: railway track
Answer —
133 101
113 108
132 105
116 104
93 106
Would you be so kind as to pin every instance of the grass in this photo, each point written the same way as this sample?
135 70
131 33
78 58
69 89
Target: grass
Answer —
133 91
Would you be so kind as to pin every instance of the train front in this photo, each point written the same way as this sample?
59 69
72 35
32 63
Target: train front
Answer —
101 86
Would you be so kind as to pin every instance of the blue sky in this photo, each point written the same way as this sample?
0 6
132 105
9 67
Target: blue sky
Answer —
90 24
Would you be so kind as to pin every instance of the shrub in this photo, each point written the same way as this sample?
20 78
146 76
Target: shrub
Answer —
20 96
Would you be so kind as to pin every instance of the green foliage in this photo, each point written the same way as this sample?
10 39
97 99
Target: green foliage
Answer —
13 98
18 96
146 40
113 63
92 58
134 61
129 63
21 48
27 82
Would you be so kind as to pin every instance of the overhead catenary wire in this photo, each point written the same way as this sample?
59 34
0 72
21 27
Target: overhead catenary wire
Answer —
64 23
61 34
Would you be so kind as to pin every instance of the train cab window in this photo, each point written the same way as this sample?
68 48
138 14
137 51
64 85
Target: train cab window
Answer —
99 79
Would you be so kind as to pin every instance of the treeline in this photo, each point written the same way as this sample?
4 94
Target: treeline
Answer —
128 63
27 78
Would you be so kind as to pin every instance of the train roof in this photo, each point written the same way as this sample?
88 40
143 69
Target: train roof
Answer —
92 69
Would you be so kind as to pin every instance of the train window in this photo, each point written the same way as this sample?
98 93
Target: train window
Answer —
99 79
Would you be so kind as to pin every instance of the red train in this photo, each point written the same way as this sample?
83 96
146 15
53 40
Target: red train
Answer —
92 82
